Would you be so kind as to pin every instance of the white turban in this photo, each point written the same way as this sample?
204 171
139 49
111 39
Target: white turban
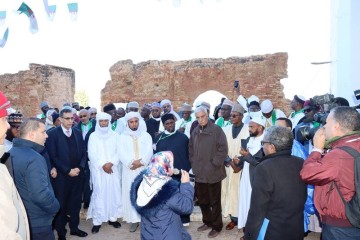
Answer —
266 106
140 128
258 120
103 132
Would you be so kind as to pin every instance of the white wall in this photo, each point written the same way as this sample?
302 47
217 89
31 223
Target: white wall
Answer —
345 49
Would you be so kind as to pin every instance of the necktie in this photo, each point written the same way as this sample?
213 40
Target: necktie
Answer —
68 133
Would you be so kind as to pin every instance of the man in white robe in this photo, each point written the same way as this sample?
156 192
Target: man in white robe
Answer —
230 185
251 157
104 150
136 152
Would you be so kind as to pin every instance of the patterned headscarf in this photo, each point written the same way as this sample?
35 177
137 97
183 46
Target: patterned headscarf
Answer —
160 166
156 175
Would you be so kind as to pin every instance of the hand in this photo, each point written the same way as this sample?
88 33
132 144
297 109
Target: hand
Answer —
235 167
107 167
53 172
185 178
319 138
73 172
136 164
235 160
243 152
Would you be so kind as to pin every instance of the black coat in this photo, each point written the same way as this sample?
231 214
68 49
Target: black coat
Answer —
278 194
58 150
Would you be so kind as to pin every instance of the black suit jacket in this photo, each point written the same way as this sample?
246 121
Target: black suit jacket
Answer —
58 150
278 194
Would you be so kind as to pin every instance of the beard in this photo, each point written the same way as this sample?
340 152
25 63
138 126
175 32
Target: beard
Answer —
134 129
254 134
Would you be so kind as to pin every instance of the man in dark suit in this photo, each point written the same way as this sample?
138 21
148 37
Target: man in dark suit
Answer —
66 149
86 126
278 194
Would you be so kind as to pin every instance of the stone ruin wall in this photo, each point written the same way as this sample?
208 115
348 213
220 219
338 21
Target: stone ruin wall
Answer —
183 81
27 89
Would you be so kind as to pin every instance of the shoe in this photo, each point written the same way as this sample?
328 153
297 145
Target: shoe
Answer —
78 232
230 226
95 228
203 228
133 227
62 238
67 218
186 224
213 233
115 224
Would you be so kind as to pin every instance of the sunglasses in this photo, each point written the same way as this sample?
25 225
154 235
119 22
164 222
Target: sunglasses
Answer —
93 113
82 116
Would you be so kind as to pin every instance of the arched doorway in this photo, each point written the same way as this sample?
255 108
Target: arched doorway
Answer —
211 96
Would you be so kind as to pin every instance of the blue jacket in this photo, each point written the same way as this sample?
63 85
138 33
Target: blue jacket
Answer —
32 180
160 218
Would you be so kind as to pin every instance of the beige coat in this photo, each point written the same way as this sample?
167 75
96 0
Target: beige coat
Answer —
13 218
231 184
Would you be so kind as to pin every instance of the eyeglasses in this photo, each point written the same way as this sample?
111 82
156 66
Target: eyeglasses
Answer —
234 115
82 116
263 142
68 118
14 126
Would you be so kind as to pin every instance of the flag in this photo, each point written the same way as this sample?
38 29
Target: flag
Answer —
73 10
50 10
4 39
25 9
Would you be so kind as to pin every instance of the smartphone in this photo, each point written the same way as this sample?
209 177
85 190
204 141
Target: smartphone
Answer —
244 143
236 83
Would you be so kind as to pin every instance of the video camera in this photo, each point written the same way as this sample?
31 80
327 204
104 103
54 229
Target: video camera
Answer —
326 102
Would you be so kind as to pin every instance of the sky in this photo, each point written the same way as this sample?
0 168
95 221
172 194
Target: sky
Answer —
108 31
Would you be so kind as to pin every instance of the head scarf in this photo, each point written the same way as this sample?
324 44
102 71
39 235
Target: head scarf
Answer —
156 174
138 131
167 101
103 132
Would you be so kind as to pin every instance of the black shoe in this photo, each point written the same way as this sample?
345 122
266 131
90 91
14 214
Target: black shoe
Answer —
115 224
62 238
78 232
95 228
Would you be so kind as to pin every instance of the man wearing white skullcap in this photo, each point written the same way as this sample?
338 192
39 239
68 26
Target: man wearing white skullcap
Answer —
270 113
297 115
136 152
103 151
250 157
225 120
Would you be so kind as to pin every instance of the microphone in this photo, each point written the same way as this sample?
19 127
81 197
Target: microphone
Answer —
178 172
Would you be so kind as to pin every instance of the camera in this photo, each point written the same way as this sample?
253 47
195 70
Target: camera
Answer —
305 133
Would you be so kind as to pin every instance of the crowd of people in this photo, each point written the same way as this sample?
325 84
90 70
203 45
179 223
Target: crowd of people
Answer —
247 163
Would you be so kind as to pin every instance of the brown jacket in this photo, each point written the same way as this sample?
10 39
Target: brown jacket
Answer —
207 152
